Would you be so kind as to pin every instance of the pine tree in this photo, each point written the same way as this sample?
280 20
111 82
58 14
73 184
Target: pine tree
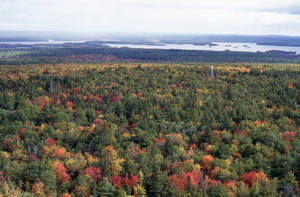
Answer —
158 182
104 189
121 193
217 191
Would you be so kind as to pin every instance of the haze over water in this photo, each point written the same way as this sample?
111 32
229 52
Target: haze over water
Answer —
221 46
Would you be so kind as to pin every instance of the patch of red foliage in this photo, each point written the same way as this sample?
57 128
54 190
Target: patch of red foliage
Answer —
61 172
99 122
33 158
51 141
2 178
291 85
288 136
94 172
114 99
131 181
66 195
117 180
181 182
236 155
41 102
253 177
22 131
69 105
212 182
132 125
230 183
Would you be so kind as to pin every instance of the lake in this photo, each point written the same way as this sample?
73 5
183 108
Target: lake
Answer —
221 46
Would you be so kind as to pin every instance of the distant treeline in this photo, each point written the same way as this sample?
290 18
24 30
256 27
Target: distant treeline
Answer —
8 39
97 53
290 44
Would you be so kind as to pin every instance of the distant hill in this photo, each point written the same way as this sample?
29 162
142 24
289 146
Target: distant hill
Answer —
20 36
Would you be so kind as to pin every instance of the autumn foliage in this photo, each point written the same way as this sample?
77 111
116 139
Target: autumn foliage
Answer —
130 181
254 177
65 195
54 151
69 104
117 180
288 136
206 162
61 172
181 182
117 129
51 141
94 172
22 131
2 178
38 188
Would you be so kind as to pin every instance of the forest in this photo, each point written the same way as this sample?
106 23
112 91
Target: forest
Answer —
79 121
98 52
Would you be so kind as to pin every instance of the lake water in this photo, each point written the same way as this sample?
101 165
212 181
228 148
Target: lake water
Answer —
221 46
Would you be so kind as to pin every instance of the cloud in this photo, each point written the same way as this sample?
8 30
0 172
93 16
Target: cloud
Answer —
189 16
246 5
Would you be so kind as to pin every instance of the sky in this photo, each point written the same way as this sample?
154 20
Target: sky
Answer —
248 17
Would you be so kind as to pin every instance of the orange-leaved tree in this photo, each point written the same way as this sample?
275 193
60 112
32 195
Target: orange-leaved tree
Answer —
254 177
206 162
60 171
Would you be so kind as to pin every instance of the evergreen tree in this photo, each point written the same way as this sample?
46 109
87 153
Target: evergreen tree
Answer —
217 191
104 189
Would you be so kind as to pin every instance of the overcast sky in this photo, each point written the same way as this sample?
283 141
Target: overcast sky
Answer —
281 17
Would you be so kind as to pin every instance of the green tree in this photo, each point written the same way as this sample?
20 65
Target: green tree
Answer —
158 183
217 190
104 189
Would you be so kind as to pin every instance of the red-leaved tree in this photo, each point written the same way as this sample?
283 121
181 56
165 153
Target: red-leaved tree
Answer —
131 181
288 136
93 172
181 182
117 180
50 141
61 172
253 177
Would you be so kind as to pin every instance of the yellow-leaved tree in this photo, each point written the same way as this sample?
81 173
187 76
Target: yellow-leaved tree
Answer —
116 162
